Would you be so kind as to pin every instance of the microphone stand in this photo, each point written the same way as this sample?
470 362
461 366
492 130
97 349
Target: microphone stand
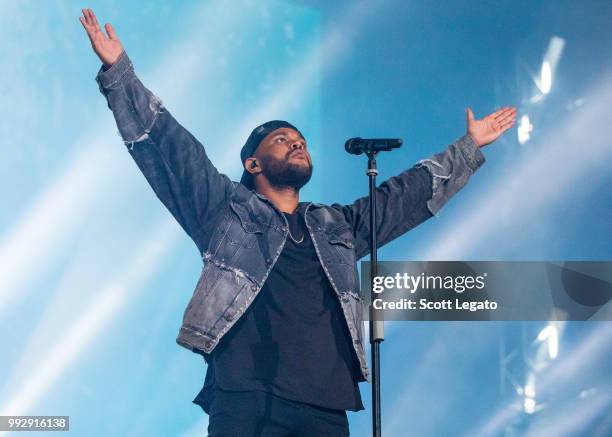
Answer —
377 333
371 147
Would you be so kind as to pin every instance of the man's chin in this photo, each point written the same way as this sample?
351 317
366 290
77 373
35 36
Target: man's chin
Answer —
302 160
297 181
294 173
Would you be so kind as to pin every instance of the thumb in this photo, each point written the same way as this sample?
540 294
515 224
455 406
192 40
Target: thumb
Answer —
469 114
110 31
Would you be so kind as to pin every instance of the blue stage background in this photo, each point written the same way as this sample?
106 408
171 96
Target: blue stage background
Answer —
95 273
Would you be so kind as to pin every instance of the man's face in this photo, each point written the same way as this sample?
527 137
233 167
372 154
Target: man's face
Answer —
284 158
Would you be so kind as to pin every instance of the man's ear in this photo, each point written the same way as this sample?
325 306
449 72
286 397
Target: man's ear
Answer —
251 165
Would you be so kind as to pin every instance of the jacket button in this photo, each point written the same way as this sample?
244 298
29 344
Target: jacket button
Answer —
269 261
228 317
208 344
253 287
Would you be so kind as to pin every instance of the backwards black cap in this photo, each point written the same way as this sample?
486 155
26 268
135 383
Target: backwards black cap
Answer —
258 134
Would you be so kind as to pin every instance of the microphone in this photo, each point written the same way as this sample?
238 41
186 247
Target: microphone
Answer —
357 146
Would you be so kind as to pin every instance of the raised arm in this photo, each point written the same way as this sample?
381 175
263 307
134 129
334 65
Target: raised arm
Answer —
172 160
408 199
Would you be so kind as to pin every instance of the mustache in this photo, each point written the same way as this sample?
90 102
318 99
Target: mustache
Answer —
299 152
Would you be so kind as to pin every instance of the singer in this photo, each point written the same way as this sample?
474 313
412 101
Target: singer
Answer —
276 312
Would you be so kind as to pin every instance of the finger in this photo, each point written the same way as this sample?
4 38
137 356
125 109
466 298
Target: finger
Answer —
83 22
94 19
507 125
88 28
110 31
505 112
90 19
86 16
511 115
470 114
85 26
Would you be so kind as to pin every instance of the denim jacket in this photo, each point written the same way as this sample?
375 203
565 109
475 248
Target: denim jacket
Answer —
240 233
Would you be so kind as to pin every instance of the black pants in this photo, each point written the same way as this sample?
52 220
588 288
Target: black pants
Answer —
259 413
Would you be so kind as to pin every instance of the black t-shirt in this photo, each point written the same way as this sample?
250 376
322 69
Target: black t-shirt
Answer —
293 340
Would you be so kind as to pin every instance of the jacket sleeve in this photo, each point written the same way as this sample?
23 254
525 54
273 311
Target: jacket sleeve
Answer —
172 160
408 199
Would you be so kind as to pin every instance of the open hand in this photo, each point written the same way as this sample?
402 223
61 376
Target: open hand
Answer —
108 48
488 129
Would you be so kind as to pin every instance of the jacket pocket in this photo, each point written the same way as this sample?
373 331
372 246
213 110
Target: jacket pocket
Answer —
342 244
244 230
249 225
237 233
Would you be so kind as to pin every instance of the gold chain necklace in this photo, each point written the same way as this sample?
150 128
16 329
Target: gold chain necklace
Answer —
294 240
289 229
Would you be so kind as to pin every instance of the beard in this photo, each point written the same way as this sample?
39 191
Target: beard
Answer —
284 174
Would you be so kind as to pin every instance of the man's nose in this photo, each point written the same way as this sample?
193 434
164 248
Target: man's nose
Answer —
298 144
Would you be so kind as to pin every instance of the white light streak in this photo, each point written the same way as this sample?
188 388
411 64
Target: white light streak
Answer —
549 66
524 129
545 78
51 365
41 230
529 389
551 336
80 333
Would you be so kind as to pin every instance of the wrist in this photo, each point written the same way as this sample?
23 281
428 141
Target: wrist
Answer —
110 76
468 134
471 152
106 64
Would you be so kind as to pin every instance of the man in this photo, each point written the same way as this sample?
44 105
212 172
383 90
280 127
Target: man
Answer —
276 312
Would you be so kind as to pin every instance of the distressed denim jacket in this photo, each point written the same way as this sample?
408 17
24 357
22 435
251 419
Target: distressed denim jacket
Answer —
240 233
